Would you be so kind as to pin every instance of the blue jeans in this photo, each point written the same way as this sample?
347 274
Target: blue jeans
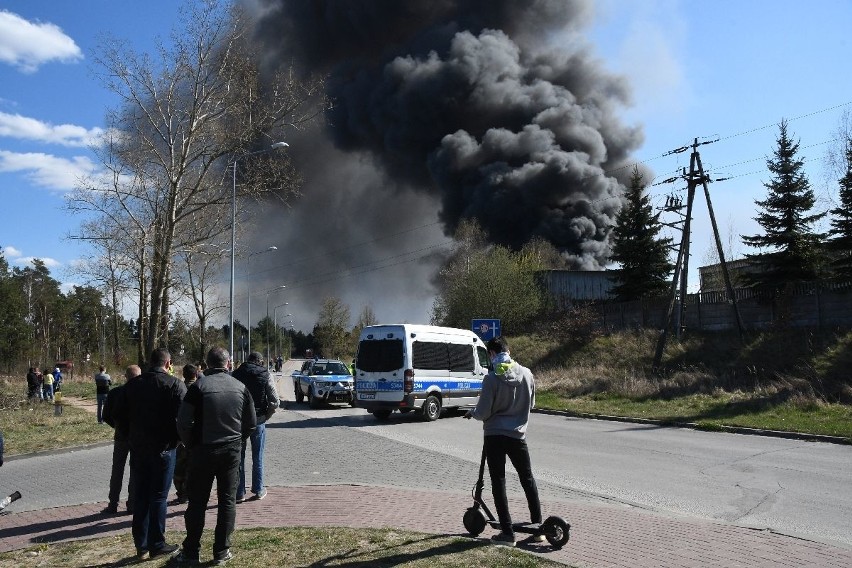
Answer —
48 392
101 401
258 441
152 473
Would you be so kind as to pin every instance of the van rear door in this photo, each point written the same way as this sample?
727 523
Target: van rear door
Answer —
380 370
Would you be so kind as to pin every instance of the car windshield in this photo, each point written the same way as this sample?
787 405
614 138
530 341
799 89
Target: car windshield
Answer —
331 368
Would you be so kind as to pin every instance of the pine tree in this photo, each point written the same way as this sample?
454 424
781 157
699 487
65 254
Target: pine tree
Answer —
638 248
841 223
793 245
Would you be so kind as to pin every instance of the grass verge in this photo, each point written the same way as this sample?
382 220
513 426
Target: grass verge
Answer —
710 412
33 426
296 546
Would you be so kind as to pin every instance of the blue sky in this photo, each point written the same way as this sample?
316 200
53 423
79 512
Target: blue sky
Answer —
701 68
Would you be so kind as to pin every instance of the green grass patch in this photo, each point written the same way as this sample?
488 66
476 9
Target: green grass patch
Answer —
33 426
297 546
749 410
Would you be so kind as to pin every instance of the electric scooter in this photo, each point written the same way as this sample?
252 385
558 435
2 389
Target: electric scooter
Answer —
476 518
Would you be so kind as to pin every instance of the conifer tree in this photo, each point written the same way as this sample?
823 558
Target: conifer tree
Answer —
638 248
789 246
840 245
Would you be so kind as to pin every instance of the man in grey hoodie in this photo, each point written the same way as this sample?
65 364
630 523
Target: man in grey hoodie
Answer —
508 396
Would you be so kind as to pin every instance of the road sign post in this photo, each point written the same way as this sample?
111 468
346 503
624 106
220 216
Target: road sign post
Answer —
486 329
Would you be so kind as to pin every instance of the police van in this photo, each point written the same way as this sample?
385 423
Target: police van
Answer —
421 368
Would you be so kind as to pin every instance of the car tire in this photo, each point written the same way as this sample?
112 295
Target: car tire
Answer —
382 414
300 396
431 408
313 401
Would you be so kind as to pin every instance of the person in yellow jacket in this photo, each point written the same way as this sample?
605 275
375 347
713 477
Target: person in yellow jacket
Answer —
47 386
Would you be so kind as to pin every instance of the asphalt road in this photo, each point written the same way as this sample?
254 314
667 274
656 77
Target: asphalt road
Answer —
791 487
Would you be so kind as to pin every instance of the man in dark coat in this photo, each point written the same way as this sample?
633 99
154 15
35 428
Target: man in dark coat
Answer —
148 409
254 375
120 447
216 417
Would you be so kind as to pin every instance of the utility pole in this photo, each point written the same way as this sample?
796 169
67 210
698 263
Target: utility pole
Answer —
695 177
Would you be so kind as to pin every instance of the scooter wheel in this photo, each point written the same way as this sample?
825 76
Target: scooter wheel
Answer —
556 531
474 521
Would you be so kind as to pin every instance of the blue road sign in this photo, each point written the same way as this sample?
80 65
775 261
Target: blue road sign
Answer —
486 328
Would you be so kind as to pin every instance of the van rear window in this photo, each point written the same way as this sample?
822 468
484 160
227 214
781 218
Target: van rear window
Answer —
380 356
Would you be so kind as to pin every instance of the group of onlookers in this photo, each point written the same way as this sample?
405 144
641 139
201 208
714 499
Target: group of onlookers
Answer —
189 432
43 385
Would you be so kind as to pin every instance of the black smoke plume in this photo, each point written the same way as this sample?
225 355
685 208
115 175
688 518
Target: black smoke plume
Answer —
495 107
443 110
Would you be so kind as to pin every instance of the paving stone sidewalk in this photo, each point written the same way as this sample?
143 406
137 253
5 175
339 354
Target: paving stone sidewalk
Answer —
601 536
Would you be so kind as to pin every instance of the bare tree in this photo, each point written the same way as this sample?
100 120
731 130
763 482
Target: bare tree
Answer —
184 117
201 269
331 326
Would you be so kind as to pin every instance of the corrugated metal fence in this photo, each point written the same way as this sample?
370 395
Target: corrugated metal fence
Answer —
826 304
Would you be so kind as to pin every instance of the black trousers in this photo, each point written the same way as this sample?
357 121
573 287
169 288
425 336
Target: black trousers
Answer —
205 464
180 477
496 450
120 451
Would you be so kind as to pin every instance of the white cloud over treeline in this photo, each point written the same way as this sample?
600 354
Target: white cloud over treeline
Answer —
27 45
46 170
26 128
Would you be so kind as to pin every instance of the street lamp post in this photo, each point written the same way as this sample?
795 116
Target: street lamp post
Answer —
275 318
267 318
248 290
275 146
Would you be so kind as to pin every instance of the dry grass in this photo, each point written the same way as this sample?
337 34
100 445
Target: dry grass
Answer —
297 546
32 425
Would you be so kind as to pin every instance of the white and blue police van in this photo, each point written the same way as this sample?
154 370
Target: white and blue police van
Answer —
421 368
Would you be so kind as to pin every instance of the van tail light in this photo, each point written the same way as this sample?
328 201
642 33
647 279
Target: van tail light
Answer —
408 381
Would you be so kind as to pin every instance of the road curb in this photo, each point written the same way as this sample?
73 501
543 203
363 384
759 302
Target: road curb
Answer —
696 426
58 451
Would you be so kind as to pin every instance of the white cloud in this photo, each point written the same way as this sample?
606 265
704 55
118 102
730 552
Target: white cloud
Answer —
48 262
27 45
17 126
67 287
47 170
11 252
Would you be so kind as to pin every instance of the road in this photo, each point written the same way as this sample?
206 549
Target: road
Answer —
791 487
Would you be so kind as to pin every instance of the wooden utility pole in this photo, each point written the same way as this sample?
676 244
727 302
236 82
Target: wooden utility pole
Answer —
695 177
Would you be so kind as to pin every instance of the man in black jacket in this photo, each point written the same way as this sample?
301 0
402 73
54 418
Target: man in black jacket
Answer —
120 447
216 417
148 409
255 376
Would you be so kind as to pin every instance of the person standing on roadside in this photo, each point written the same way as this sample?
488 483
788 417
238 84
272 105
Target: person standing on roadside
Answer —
255 376
190 375
507 397
57 380
47 387
216 417
102 384
120 447
33 389
149 407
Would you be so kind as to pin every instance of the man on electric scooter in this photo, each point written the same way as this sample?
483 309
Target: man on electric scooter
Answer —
508 396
